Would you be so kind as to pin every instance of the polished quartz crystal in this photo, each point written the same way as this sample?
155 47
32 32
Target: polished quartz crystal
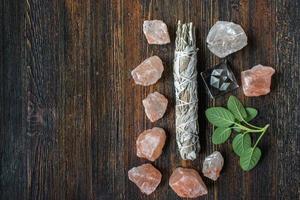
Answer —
146 177
156 32
219 80
225 38
148 72
187 183
155 105
257 80
150 143
213 165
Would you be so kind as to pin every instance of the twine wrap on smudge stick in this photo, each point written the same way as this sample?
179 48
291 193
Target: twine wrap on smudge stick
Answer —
185 81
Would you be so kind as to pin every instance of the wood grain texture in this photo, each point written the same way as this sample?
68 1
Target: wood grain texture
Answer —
70 112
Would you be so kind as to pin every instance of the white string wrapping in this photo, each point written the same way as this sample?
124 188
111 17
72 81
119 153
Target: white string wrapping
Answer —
185 81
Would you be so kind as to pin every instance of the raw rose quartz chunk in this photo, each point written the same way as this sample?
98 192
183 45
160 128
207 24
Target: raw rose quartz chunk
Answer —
155 106
146 177
213 165
148 72
257 81
187 183
156 32
150 143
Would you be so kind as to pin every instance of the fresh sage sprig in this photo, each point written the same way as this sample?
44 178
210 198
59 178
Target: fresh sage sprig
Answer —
236 118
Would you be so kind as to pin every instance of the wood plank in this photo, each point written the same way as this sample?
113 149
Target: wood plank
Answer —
77 141
41 87
107 88
58 100
12 140
285 130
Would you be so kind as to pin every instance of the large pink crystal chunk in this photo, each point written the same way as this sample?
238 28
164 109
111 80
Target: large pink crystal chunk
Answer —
155 106
146 177
150 143
148 72
156 32
213 165
187 183
257 81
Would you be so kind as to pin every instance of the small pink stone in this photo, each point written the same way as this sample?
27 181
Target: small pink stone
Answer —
213 165
156 32
146 177
257 81
155 106
148 72
150 143
187 183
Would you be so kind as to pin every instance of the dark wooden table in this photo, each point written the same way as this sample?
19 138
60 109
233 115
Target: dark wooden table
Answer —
70 112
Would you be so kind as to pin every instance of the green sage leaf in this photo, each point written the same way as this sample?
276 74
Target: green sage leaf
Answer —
250 158
219 116
240 143
251 114
237 108
220 135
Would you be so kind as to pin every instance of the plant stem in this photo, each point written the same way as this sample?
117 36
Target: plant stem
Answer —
261 135
248 129
245 132
256 127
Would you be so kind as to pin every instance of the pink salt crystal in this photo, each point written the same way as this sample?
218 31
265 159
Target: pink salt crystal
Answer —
156 32
187 183
155 106
148 72
150 143
146 177
213 165
257 81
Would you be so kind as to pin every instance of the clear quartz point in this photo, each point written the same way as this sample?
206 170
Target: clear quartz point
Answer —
213 165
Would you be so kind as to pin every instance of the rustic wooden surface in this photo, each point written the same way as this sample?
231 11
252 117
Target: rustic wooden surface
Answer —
70 112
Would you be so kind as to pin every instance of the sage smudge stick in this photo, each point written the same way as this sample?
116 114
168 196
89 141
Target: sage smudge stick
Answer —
185 81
